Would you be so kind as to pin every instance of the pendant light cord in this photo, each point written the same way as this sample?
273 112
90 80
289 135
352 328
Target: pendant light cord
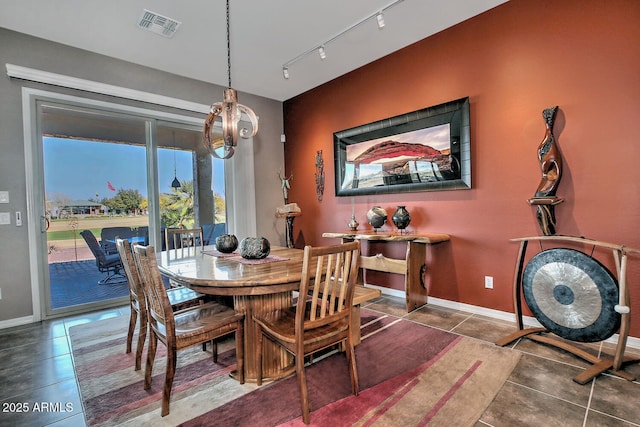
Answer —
228 46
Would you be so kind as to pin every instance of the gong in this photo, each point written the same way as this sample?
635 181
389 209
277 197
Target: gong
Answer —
572 295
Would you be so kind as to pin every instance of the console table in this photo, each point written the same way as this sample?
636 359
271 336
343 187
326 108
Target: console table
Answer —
413 267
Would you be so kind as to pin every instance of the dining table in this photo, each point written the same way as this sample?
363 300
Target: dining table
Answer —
256 287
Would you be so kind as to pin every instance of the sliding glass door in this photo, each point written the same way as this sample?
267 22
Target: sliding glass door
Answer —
116 174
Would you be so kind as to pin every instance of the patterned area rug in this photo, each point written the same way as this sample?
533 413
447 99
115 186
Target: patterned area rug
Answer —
409 375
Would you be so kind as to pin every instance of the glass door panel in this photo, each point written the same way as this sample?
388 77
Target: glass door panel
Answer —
191 182
94 179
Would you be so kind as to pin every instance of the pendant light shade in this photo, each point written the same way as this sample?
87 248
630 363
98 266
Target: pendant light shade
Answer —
230 111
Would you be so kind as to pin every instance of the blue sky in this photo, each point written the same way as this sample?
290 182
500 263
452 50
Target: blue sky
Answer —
80 169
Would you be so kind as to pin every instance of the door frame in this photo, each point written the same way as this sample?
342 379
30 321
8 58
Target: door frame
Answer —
241 194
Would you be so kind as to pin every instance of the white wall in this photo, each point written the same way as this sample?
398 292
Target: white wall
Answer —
27 51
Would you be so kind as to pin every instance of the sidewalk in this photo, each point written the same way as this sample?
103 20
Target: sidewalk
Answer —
69 254
68 250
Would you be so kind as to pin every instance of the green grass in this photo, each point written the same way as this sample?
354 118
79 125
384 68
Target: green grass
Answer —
68 234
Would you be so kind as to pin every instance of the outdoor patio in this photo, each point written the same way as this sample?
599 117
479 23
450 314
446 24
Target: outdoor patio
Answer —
76 282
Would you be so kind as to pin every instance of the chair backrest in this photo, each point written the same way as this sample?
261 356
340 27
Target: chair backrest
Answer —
183 241
94 246
111 233
158 306
328 283
143 232
211 231
131 271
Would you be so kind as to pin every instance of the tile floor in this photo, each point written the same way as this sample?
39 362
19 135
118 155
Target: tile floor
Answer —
37 376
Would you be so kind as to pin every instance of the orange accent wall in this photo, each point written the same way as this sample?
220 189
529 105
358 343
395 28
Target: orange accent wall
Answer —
512 61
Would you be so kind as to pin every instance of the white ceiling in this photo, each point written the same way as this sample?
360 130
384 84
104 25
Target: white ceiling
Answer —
264 35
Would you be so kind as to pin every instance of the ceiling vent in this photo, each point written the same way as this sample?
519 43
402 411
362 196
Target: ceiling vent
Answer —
158 24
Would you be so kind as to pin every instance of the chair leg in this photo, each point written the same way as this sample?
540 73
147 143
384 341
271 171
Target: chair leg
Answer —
168 380
214 350
151 355
133 318
302 385
142 337
353 369
114 277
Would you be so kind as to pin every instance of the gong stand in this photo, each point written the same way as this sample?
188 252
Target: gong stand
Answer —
562 296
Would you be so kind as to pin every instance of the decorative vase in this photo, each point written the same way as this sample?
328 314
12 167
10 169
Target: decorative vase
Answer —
254 248
401 218
376 217
353 224
226 243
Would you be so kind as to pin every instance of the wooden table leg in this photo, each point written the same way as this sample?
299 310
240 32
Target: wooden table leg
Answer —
415 279
276 362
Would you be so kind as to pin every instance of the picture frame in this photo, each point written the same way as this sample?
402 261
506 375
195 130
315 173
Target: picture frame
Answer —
424 150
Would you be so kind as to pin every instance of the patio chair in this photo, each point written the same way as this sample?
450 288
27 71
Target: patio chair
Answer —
108 237
319 321
183 328
211 231
106 263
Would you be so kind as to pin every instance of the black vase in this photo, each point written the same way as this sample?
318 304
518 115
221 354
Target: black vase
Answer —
254 248
401 218
226 243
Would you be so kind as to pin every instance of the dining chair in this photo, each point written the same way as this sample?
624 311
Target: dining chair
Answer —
183 328
181 297
180 241
106 263
322 316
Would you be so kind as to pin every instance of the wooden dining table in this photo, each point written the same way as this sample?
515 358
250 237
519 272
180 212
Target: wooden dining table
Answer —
256 287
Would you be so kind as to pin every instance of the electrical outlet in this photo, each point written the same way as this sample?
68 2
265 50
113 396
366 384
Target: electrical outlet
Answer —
488 282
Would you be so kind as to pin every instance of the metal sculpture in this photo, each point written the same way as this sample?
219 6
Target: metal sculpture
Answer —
319 175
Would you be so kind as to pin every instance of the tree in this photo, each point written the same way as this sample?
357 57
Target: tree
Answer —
219 208
176 208
125 200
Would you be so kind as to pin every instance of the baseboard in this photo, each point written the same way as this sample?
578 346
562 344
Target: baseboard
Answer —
18 321
632 342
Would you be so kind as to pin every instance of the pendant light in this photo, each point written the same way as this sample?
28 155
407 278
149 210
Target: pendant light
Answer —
175 183
231 112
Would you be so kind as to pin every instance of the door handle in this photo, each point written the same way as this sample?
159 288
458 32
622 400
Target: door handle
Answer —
44 224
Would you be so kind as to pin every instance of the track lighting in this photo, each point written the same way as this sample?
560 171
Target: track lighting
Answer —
379 17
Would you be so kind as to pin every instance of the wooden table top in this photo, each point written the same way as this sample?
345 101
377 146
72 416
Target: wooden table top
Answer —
225 276
430 238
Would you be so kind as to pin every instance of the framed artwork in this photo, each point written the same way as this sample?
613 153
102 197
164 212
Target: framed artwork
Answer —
425 150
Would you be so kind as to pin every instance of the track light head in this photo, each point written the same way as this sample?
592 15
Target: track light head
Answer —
380 19
285 72
322 53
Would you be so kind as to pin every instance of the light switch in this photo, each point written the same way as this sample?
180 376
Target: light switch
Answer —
4 197
5 218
